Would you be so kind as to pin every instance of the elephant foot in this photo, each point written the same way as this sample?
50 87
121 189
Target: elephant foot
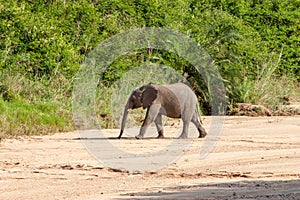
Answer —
202 135
202 132
183 137
139 137
160 134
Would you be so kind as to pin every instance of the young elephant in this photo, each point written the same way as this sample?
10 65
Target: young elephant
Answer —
175 101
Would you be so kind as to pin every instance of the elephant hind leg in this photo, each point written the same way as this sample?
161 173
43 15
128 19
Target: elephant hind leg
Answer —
201 130
186 119
185 129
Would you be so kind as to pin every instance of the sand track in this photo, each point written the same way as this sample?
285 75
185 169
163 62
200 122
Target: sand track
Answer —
256 158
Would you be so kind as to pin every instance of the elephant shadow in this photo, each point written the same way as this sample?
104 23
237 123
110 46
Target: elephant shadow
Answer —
123 138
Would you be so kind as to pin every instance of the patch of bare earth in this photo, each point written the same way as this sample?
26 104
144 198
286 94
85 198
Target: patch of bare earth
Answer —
254 158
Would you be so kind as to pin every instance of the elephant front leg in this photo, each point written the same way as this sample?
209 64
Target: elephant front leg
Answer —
142 130
151 114
159 126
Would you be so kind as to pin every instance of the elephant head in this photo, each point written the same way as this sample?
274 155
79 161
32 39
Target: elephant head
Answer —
141 97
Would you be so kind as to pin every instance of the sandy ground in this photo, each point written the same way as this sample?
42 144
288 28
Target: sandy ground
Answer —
254 158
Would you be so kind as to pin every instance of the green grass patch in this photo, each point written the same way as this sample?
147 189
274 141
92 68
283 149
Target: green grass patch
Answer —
22 118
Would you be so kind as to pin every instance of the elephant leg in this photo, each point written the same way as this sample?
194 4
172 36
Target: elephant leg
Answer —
201 130
159 126
151 114
186 119
185 129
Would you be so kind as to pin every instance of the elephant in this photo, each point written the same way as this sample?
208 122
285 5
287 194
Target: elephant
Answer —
173 100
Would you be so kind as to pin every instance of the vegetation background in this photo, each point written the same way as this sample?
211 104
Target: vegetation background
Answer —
255 45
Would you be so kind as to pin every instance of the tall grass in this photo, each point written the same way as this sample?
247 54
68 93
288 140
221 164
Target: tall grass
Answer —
267 88
33 107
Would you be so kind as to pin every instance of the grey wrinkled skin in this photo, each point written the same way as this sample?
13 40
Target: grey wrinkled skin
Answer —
175 101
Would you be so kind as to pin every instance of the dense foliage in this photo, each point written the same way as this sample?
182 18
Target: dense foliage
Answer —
44 42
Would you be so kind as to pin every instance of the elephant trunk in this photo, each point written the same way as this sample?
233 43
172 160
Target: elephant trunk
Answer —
124 119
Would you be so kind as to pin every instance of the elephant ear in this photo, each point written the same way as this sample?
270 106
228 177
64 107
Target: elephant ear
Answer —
149 94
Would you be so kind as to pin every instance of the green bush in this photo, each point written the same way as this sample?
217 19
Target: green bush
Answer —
43 43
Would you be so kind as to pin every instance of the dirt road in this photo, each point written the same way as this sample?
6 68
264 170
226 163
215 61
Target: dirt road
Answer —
254 158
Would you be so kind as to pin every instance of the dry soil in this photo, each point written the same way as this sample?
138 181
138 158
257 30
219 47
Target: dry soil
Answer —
253 158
